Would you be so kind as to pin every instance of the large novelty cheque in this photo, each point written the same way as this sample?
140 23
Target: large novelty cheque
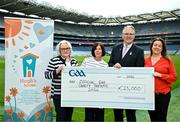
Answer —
129 88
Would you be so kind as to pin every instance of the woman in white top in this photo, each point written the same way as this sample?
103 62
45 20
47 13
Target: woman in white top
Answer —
98 51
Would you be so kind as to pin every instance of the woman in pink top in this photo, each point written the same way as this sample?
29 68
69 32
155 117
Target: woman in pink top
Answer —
164 75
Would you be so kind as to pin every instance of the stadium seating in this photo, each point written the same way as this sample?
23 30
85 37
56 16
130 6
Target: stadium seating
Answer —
83 36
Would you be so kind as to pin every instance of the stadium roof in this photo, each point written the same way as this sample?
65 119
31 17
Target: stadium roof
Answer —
30 8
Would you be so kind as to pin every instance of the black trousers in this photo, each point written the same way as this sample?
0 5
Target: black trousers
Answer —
62 113
94 114
130 114
161 107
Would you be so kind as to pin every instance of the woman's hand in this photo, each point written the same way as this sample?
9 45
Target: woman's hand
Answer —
59 69
157 74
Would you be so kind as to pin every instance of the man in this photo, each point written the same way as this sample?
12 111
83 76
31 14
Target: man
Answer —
126 54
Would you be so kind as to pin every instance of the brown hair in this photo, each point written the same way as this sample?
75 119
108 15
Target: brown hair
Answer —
94 48
164 51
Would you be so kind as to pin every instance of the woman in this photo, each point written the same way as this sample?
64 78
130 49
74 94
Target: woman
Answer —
98 51
164 74
53 72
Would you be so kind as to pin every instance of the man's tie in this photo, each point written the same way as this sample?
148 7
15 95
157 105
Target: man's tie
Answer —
125 49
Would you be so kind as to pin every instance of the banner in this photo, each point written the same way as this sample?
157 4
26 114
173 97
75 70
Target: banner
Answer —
28 48
128 87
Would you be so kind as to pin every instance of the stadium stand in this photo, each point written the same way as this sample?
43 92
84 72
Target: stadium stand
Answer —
111 34
83 36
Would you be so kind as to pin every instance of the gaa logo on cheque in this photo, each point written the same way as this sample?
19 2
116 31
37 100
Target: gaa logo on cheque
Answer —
77 73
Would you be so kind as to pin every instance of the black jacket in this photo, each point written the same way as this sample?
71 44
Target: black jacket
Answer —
133 58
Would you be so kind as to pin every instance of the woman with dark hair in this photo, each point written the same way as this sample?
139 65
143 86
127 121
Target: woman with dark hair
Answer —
98 51
164 76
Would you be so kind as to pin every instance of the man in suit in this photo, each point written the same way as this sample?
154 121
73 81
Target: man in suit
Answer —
126 54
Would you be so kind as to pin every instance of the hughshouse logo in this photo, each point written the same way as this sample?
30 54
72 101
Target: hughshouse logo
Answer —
29 64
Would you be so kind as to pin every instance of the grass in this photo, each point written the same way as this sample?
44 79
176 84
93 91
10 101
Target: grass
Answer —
78 114
176 60
2 67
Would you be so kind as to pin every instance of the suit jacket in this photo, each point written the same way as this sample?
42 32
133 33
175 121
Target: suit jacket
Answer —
133 58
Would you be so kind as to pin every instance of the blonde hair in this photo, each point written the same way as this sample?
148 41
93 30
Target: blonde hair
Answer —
63 42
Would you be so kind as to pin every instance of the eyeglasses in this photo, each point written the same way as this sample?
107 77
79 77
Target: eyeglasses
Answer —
128 34
65 49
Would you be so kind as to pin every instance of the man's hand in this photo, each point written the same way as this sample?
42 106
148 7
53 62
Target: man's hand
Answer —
117 65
